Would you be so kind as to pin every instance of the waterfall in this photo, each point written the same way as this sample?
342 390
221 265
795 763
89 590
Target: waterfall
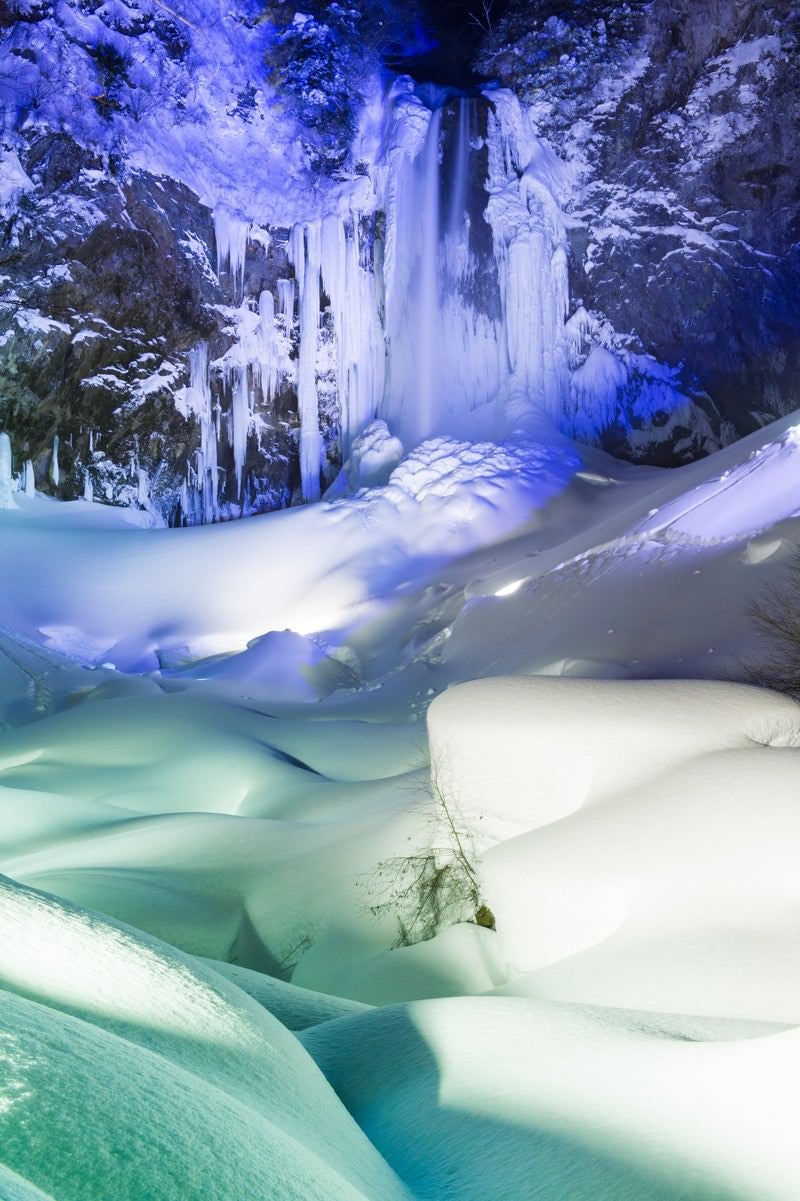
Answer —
476 287
433 299
424 294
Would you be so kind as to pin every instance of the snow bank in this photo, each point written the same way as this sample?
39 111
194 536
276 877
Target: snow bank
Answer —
216 589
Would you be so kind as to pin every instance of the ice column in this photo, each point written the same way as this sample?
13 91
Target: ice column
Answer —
530 252
30 479
349 281
200 402
55 474
6 499
305 251
240 423
267 366
286 297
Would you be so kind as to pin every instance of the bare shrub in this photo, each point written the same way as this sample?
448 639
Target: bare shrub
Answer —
436 886
776 615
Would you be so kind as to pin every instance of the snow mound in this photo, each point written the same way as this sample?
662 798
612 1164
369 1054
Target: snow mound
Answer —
637 838
477 1097
112 1040
504 750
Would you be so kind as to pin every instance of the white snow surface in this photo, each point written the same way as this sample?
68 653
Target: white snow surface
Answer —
212 753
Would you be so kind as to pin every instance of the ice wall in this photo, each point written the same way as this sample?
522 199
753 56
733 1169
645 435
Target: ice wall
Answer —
333 261
436 321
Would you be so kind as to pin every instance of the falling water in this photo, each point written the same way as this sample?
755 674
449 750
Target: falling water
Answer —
445 354
426 301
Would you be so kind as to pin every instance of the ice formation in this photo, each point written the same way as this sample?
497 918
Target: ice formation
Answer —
206 478
55 472
435 294
230 233
6 478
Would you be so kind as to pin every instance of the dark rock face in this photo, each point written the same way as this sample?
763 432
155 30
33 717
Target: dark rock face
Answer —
684 116
107 285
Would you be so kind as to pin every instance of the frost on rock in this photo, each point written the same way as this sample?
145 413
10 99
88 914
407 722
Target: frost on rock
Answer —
373 457
13 179
595 387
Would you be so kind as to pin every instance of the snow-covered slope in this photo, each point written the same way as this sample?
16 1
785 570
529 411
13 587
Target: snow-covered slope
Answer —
610 863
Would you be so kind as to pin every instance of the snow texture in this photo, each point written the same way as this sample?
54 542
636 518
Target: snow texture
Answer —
194 846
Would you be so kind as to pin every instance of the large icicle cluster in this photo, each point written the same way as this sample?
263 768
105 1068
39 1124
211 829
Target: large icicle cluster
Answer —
247 377
333 256
230 233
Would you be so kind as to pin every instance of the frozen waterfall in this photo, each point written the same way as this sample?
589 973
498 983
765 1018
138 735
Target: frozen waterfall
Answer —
434 299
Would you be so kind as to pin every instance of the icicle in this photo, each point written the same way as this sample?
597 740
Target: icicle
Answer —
55 474
143 489
231 233
91 442
6 499
286 295
306 252
350 284
88 494
30 479
267 366
200 402
240 425
297 256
